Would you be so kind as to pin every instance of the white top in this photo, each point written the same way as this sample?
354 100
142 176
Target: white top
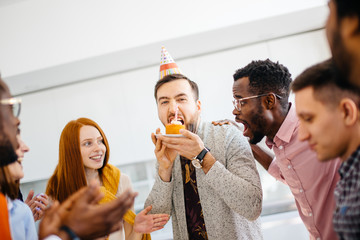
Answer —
124 184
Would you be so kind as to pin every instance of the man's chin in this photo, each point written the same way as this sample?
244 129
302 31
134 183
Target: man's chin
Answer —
249 137
255 139
324 158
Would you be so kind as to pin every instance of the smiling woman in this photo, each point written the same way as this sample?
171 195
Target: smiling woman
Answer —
70 173
92 149
83 158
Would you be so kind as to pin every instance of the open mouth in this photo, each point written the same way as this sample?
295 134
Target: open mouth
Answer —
96 158
19 160
178 120
246 128
244 123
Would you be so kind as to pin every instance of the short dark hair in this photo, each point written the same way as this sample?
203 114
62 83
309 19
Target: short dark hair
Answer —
266 76
326 81
347 8
174 77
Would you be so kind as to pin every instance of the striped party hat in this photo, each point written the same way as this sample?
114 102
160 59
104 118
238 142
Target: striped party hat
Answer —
167 64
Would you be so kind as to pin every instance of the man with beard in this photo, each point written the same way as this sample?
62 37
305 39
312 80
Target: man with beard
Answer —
343 33
330 123
207 178
261 91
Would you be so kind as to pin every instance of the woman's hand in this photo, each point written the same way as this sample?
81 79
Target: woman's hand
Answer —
37 204
147 223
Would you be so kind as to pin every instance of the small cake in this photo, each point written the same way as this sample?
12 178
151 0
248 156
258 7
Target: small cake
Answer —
174 127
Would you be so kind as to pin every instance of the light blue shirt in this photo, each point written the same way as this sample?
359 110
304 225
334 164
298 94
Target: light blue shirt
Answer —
22 223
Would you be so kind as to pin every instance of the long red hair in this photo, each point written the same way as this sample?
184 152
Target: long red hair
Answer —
69 174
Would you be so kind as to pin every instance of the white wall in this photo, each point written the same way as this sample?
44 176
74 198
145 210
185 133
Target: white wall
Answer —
99 59
123 104
38 34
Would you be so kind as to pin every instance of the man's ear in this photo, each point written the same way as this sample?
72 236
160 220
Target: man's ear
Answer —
349 111
269 101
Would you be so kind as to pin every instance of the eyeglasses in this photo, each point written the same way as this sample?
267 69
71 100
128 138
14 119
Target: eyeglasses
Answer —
238 103
15 104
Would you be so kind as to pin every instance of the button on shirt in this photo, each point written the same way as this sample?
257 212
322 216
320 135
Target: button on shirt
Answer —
311 182
347 196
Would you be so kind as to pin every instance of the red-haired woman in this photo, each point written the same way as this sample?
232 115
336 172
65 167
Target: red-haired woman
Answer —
83 157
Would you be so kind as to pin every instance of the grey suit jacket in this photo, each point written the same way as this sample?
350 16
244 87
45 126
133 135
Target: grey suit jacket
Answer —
230 193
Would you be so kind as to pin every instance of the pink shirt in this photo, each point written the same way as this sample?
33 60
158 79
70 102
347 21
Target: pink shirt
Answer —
311 182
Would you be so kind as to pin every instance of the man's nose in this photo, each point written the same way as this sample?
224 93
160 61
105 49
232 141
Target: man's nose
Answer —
235 111
303 134
172 106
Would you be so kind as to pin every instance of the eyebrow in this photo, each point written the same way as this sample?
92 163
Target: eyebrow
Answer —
87 139
238 96
179 95
162 98
304 114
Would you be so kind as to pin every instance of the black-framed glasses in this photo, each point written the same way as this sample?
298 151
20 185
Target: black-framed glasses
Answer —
15 104
238 103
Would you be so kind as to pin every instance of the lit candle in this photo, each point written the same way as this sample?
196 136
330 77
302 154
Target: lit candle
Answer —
176 111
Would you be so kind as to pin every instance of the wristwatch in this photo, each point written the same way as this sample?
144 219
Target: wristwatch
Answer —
197 161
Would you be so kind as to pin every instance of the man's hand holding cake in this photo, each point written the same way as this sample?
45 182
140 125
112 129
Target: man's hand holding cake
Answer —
168 146
165 155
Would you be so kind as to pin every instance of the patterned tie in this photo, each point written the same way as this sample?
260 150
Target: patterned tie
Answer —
194 215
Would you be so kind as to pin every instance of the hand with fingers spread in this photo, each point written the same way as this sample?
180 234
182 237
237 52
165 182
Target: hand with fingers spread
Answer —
147 223
221 122
165 156
81 213
37 204
50 225
226 122
54 216
89 220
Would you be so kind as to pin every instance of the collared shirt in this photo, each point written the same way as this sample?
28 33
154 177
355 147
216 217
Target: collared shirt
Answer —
311 182
347 196
22 223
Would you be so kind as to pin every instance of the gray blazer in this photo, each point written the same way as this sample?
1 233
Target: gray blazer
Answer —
230 193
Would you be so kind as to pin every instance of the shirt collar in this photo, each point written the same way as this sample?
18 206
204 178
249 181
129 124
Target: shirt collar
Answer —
349 163
9 203
286 129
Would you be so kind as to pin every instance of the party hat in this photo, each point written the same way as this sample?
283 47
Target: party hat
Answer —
167 64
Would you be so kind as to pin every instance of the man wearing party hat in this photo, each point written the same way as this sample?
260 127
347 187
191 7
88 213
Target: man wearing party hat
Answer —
207 178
